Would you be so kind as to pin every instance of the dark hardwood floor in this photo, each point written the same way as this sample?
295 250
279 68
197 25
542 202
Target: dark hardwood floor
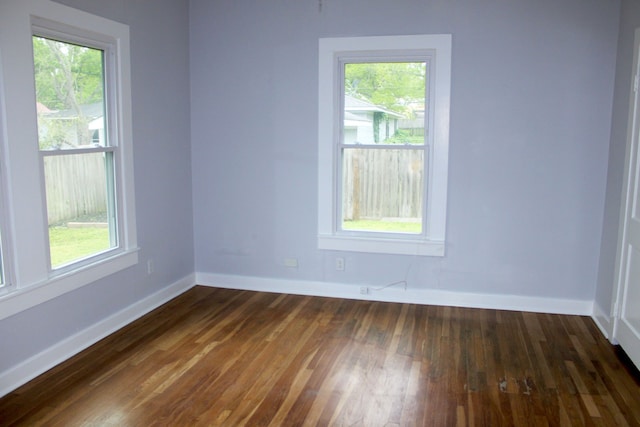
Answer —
225 357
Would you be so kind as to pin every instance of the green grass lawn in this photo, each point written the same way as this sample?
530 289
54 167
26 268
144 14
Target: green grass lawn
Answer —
385 226
70 244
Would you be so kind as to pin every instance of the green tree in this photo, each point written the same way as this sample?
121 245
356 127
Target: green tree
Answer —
394 85
67 77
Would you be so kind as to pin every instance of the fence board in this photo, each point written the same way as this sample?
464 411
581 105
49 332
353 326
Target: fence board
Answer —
382 183
75 186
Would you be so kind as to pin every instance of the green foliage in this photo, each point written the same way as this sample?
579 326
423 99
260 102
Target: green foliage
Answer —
67 75
378 117
394 85
402 136
52 133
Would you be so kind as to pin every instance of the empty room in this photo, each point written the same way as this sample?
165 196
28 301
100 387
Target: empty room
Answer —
319 212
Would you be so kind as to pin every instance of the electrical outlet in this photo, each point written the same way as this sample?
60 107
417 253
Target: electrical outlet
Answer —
340 264
364 290
150 266
291 262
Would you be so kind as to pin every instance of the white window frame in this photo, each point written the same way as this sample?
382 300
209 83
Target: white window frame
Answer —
332 54
34 281
55 31
6 276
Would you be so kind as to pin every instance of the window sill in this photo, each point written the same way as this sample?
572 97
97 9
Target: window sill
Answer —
20 299
381 245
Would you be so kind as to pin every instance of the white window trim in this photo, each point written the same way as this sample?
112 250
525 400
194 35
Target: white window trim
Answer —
330 52
33 281
5 213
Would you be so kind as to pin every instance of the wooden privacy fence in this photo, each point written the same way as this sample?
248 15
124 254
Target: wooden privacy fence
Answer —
75 185
383 183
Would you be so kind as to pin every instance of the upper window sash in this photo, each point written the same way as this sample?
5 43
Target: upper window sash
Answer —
112 63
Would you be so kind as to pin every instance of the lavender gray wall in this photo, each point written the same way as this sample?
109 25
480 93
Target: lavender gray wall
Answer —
532 88
629 21
160 98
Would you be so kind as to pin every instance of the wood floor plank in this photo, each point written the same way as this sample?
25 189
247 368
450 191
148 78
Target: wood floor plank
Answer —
233 358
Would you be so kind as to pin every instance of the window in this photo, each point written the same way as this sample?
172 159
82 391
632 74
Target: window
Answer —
67 141
383 143
76 149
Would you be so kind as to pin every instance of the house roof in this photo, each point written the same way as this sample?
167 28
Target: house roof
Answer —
41 108
355 117
352 120
92 111
353 104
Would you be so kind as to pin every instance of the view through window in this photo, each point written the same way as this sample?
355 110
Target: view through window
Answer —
77 158
383 146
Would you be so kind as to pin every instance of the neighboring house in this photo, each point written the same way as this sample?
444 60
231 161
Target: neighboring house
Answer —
67 129
359 122
42 109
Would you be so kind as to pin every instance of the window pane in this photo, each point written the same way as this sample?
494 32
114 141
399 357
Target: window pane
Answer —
69 95
80 205
382 190
384 103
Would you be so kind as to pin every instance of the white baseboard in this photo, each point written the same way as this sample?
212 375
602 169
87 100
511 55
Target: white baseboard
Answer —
398 294
602 321
47 359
